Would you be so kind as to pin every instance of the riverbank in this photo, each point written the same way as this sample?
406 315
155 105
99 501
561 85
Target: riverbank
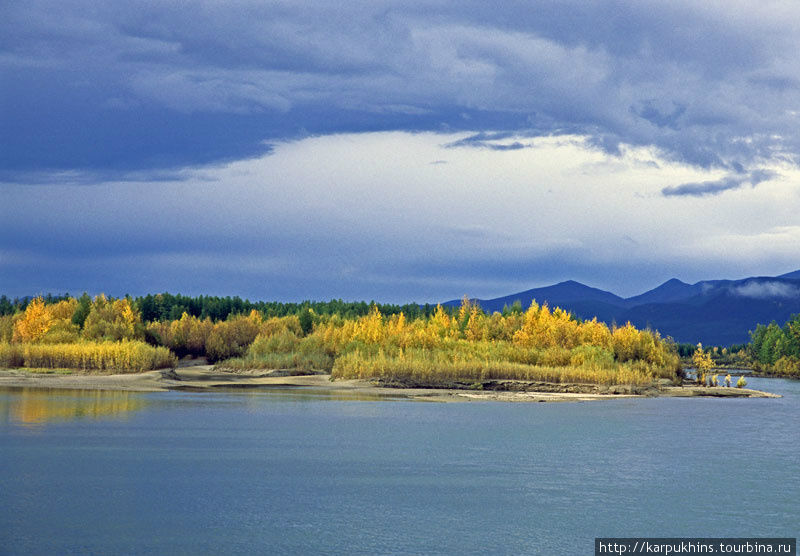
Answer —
205 377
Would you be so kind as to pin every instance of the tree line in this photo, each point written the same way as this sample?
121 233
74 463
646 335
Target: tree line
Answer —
776 349
168 307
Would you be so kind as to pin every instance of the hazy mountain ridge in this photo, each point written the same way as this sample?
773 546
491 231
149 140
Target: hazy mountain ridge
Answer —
718 312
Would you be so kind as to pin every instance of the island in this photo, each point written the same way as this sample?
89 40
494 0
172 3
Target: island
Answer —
431 353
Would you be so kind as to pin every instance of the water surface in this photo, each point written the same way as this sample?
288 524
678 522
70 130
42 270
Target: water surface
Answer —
288 471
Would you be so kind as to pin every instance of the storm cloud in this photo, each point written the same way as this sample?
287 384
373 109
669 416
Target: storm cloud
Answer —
395 150
141 84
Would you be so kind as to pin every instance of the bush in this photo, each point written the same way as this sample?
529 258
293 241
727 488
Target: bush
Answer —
6 328
591 356
283 350
113 319
121 356
11 355
185 336
232 337
787 366
284 341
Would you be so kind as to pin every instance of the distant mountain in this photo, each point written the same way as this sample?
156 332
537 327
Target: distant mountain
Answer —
562 294
671 290
722 319
715 312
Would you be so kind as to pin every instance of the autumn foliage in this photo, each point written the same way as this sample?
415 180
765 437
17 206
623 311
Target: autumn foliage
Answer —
539 344
435 345
45 336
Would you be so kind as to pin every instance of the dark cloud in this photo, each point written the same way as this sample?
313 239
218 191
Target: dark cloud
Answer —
489 141
716 187
145 93
138 85
703 188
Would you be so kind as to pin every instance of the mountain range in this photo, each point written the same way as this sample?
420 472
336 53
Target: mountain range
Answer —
714 312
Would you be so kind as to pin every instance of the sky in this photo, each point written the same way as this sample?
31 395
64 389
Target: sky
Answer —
395 151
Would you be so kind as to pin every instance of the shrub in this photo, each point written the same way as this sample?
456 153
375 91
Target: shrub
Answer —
283 350
11 355
787 366
6 328
121 356
113 319
284 341
232 337
185 336
591 356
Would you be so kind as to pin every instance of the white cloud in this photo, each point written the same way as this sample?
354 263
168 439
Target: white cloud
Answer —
764 290
373 201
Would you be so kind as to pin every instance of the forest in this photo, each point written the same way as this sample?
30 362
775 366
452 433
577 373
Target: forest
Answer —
776 349
414 343
167 306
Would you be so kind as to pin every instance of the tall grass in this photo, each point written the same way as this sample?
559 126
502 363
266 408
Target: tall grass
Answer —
11 355
126 355
280 361
439 367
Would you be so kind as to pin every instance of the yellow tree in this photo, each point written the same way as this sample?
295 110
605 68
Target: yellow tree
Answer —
703 363
626 342
477 329
371 328
125 318
112 320
595 333
566 330
62 330
528 334
440 323
397 330
463 311
34 323
63 309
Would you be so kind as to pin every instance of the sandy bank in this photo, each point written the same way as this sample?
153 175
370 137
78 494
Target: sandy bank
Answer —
204 377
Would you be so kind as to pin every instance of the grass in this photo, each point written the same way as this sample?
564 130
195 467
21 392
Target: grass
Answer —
438 367
290 361
123 356
47 371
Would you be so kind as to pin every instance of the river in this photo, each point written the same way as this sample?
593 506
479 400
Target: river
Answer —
308 472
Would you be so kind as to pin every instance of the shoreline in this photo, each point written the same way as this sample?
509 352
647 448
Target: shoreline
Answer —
206 378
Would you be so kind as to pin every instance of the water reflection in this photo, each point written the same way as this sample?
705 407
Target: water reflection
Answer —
310 393
36 406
